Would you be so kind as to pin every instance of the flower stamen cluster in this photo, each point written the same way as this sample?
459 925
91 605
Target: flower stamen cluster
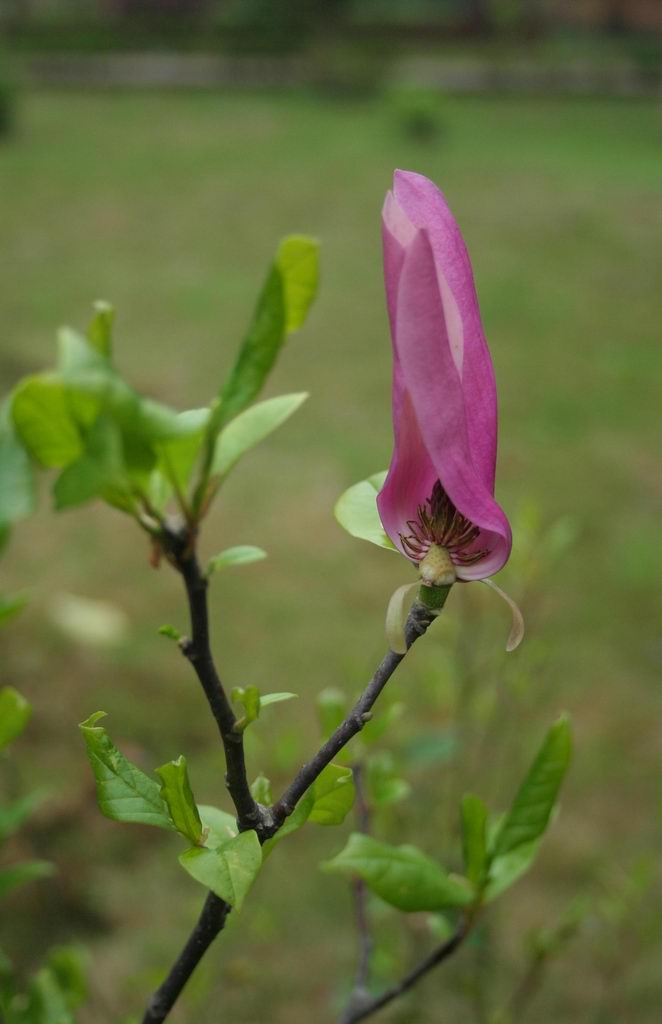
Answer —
439 523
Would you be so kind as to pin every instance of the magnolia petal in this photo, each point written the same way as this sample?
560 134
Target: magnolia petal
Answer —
517 629
396 617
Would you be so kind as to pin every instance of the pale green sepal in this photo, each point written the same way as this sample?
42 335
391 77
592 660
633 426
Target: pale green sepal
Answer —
356 511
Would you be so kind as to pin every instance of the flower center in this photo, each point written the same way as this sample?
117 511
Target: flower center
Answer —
438 524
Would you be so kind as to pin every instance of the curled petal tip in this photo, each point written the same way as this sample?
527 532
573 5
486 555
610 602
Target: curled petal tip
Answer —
396 616
516 634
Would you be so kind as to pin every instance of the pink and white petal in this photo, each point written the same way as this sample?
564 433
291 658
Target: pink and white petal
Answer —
430 378
424 205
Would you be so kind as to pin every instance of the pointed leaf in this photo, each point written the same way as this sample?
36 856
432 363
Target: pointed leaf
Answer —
249 697
15 713
251 427
242 554
401 875
124 793
356 511
177 793
275 698
530 812
509 867
298 262
230 870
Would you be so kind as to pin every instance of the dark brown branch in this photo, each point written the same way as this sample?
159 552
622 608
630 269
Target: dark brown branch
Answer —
436 957
419 619
210 923
198 651
266 821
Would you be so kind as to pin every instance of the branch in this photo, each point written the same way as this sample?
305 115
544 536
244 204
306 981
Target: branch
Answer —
438 955
198 651
265 821
210 923
419 619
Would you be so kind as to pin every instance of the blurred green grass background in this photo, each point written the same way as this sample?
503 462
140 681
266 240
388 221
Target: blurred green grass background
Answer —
170 207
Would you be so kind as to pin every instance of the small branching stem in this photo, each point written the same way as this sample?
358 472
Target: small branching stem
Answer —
437 956
198 651
179 546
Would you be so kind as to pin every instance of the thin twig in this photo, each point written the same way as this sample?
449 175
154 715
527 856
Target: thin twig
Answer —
436 957
209 924
266 821
198 651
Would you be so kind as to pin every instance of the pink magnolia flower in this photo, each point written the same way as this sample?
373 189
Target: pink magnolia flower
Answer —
437 504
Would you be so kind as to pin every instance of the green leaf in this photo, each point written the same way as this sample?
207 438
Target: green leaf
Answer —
249 698
230 870
281 308
331 709
17 487
12 817
356 511
257 355
15 713
243 554
21 874
43 420
10 606
508 868
219 825
251 427
177 457
529 814
298 262
261 791
170 632
334 795
100 470
100 331
401 875
124 793
275 698
474 838
177 793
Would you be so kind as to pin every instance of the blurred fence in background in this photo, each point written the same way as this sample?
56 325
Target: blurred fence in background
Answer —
346 46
